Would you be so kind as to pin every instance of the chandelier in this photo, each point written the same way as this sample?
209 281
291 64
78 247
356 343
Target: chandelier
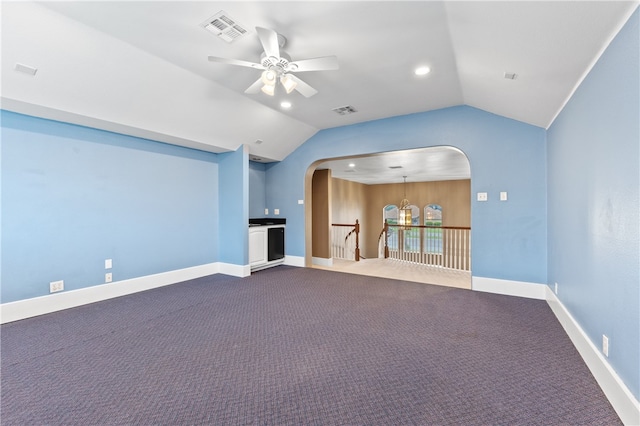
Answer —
404 213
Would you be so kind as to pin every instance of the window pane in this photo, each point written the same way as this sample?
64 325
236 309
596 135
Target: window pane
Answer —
433 237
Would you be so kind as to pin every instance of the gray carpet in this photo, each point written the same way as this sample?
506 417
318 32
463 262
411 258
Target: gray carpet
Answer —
298 346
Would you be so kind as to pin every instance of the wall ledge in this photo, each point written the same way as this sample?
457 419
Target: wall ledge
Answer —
618 394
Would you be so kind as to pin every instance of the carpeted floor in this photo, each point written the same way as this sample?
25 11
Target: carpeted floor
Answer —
298 346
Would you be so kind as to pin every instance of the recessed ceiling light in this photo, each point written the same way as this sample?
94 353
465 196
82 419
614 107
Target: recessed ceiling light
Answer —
422 70
285 104
352 165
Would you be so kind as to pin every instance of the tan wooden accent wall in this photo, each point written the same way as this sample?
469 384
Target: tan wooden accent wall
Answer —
321 213
351 201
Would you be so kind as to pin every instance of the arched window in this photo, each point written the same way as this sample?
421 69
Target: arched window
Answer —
433 215
412 235
433 236
390 213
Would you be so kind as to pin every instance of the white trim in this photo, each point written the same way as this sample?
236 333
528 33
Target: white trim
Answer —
294 261
21 309
509 288
235 270
322 261
618 394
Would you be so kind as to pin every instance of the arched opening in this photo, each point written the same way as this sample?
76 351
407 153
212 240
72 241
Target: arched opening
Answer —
370 187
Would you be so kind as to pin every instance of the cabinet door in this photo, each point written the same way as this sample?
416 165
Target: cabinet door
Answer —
257 246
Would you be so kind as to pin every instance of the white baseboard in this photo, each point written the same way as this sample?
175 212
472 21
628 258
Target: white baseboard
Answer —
322 261
21 309
509 288
618 394
294 261
235 270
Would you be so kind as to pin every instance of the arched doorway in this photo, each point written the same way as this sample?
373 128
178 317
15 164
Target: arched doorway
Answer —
358 187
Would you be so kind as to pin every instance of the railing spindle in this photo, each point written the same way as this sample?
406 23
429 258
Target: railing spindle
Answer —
442 246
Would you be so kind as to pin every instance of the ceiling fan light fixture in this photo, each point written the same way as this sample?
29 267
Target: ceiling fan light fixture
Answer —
288 83
268 89
269 78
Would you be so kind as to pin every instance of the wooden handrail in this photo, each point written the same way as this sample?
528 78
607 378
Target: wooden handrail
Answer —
385 231
356 229
432 227
447 247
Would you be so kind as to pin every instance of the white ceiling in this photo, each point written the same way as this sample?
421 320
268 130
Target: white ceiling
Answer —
141 68
418 165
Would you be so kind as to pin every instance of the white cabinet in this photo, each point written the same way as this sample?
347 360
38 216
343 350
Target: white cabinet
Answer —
262 252
257 245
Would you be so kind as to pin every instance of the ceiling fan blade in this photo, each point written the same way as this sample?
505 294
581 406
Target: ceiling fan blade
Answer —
316 64
269 40
255 87
236 62
302 87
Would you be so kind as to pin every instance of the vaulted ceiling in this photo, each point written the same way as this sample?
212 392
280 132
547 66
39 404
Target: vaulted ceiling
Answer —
141 68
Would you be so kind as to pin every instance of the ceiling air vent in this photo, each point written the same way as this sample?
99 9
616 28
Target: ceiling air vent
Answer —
510 75
224 27
395 167
345 110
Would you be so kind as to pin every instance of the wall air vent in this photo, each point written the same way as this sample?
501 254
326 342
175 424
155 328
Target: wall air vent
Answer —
26 69
344 110
224 27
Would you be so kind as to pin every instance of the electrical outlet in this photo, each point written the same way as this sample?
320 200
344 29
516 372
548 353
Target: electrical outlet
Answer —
276 211
556 288
108 277
482 196
605 345
55 286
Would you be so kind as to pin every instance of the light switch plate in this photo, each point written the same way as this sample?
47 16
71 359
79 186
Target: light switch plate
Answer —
266 211
300 201
482 196
276 211
108 263
503 196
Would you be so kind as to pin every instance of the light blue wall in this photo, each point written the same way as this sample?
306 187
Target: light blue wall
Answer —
234 207
74 196
508 238
257 189
594 219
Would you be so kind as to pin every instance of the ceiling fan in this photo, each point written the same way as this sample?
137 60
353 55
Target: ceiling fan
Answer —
277 66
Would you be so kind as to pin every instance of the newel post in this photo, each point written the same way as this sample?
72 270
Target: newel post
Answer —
357 241
386 239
